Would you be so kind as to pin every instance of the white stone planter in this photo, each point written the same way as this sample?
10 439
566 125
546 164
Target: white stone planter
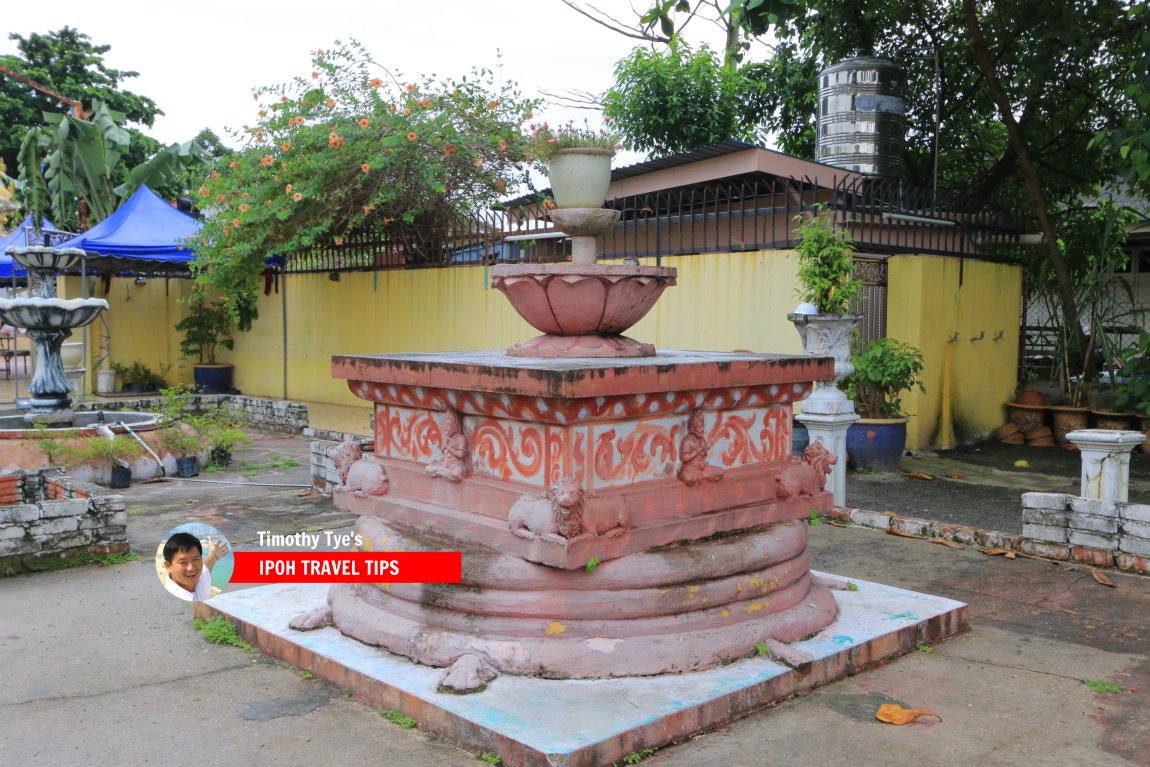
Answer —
828 335
580 177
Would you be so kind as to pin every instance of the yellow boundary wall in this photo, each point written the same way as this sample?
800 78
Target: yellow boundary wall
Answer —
723 302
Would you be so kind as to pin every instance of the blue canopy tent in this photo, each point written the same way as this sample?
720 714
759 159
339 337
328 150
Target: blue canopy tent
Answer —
20 237
143 235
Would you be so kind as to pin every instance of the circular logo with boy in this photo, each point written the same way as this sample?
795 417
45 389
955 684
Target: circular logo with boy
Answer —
194 562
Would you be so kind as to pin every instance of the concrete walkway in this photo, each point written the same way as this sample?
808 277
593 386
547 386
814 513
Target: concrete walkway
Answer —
99 665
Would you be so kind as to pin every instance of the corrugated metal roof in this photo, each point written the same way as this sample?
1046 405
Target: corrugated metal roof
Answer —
682 158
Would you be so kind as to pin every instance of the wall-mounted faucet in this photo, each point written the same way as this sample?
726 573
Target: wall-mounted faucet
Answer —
998 336
981 335
953 337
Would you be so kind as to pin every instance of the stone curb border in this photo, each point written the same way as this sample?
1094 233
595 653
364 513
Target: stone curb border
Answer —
927 528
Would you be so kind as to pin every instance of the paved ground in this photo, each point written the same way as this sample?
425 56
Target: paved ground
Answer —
98 665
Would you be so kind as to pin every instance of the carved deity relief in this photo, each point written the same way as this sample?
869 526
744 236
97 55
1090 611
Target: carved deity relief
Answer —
693 454
803 478
455 463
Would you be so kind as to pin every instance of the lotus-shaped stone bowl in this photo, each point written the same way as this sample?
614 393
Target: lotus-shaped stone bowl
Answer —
582 299
50 313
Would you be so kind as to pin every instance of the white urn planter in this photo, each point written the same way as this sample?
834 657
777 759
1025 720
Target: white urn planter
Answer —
580 176
828 335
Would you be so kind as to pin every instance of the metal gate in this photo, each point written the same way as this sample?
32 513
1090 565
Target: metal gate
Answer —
871 301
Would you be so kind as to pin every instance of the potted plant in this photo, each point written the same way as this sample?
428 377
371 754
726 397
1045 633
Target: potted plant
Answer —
578 160
220 434
183 441
882 372
206 328
117 452
1133 390
828 289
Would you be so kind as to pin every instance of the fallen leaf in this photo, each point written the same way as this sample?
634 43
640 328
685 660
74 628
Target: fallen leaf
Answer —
956 475
892 713
834 523
945 542
1022 463
902 533
1102 579
890 513
303 493
1010 555
993 551
917 475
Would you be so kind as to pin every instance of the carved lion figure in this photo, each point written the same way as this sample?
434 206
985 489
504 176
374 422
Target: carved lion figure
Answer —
803 478
359 475
553 516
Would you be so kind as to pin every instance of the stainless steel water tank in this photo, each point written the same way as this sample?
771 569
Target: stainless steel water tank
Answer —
861 116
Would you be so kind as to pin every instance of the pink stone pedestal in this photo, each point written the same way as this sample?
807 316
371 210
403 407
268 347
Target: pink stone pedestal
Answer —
669 594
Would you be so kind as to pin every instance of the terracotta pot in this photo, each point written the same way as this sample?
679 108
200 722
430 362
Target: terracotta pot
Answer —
1067 419
1025 417
1030 397
1109 419
1144 421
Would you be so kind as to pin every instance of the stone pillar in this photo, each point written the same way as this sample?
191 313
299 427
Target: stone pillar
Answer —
831 430
1106 462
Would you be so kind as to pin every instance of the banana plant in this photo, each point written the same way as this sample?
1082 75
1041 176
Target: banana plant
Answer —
71 159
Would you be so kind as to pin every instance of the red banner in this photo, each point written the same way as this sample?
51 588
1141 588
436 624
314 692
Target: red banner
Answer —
347 567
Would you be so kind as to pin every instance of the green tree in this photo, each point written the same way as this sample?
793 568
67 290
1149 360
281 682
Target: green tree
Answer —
68 62
674 99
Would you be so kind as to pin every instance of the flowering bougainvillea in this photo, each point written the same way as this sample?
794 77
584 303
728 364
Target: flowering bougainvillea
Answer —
350 147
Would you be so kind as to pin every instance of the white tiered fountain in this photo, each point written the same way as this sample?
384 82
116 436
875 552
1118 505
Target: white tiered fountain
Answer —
48 321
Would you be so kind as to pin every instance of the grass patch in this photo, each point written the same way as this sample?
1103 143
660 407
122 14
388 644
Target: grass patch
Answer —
221 631
592 564
1101 685
761 648
306 675
250 469
852 586
395 717
136 511
117 558
489 757
637 756
923 647
815 520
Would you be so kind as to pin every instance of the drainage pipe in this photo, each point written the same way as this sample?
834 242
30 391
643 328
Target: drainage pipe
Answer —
151 452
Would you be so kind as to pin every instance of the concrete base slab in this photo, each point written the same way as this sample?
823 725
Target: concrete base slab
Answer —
586 723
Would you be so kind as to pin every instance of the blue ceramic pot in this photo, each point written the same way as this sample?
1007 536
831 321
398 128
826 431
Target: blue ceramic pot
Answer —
876 443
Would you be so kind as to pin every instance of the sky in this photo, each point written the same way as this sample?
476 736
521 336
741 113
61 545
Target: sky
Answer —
201 61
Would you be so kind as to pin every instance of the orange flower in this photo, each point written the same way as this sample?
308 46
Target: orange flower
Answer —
219 198
492 105
267 161
285 146
246 195
214 175
478 162
449 150
365 168
263 113
375 82
314 75
284 99
236 223
288 188
233 164
331 103
228 231
244 208
410 88
426 103
297 196
366 209
406 111
204 191
364 122
411 136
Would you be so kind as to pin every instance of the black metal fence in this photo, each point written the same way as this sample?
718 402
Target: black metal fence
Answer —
884 217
